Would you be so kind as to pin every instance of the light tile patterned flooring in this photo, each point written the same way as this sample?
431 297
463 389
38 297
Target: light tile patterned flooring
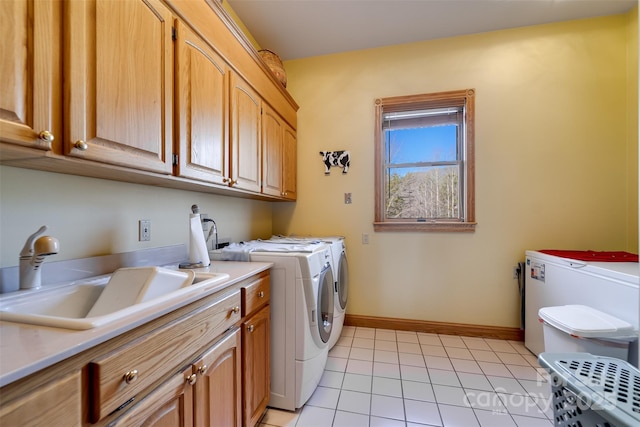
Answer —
387 378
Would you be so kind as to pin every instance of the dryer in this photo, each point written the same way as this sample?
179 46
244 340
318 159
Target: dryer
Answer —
302 305
340 270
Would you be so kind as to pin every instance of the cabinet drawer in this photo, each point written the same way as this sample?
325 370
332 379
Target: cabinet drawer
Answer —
117 377
58 403
255 295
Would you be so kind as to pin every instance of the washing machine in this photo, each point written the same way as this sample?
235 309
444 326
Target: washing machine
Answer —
340 274
302 305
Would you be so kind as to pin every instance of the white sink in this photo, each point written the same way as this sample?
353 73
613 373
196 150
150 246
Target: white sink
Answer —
66 306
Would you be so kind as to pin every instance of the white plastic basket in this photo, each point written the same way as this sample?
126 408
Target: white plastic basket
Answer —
593 391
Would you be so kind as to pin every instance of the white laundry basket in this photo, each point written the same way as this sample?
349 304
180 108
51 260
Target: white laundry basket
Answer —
578 328
592 391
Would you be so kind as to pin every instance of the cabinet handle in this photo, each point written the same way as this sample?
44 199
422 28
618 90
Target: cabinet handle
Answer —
261 294
230 181
235 309
202 369
81 145
191 379
131 376
45 135
250 328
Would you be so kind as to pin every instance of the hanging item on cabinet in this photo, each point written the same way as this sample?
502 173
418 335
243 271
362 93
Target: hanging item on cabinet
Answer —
340 158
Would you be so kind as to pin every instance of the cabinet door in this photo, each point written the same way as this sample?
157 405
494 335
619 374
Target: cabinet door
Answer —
202 105
170 405
218 386
30 101
245 135
256 366
289 163
56 404
272 133
119 82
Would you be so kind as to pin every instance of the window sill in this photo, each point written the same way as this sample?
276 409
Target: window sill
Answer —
456 227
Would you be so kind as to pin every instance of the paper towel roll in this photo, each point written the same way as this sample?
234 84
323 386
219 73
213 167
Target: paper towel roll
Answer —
197 246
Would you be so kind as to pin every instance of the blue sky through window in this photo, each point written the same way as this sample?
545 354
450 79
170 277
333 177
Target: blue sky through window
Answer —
427 144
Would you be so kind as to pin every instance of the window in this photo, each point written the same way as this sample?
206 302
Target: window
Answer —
425 162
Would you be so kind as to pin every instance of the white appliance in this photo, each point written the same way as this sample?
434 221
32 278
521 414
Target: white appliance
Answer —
301 316
610 287
340 274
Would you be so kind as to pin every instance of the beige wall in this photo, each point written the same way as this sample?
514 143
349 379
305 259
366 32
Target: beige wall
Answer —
553 162
556 167
96 217
632 136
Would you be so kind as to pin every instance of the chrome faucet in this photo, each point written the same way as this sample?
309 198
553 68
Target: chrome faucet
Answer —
32 256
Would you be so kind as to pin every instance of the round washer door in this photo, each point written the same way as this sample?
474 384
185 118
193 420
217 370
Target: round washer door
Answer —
325 303
342 284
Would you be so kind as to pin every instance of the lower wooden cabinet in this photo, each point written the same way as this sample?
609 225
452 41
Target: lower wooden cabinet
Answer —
218 384
58 402
206 365
171 405
205 394
256 366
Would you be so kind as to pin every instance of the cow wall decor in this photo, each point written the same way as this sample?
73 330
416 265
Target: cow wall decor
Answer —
335 158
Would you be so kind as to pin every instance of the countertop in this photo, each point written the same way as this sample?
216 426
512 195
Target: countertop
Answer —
25 349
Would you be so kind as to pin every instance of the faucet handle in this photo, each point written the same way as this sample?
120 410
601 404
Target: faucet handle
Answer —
46 245
28 246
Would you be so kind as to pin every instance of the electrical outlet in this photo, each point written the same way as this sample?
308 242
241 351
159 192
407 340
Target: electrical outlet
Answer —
516 271
365 238
347 198
144 230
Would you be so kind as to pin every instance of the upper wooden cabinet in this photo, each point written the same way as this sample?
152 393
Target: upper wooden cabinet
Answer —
160 92
30 90
279 146
289 163
119 81
246 107
272 132
202 106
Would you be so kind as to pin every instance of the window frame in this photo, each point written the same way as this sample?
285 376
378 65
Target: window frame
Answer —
464 97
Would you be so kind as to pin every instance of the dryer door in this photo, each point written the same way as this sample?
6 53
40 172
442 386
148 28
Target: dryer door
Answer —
325 303
342 284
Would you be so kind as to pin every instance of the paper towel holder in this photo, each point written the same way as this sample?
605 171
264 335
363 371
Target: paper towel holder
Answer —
204 259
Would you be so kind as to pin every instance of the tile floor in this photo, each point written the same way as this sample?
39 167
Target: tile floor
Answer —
387 378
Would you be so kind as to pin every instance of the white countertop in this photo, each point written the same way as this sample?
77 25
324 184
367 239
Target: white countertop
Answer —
25 349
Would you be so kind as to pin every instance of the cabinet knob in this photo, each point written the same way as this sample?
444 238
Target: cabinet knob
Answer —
230 181
81 145
250 328
191 379
261 294
235 309
45 135
202 369
131 376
